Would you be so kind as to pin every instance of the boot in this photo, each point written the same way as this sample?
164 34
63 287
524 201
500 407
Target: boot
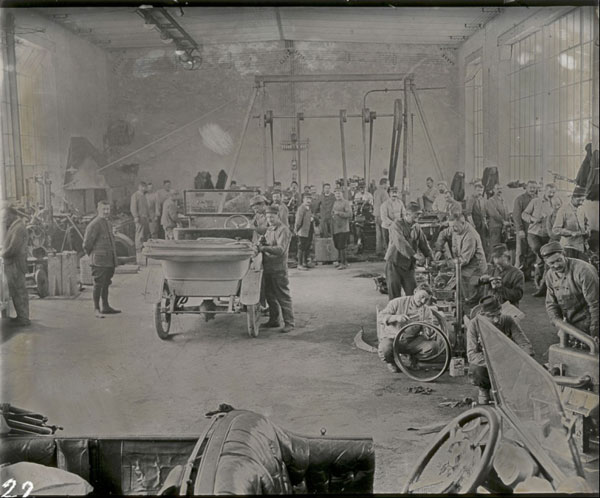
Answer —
106 309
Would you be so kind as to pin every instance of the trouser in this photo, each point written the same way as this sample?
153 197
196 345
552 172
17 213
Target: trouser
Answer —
398 279
480 376
17 289
571 252
411 342
169 235
469 287
381 237
495 238
524 255
340 241
303 248
142 229
277 293
153 226
536 242
326 227
483 235
102 277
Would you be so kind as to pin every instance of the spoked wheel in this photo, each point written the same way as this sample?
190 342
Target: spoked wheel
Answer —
162 314
253 319
237 221
423 355
41 283
460 458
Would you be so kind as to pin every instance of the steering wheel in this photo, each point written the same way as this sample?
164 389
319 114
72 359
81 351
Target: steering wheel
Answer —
460 458
237 221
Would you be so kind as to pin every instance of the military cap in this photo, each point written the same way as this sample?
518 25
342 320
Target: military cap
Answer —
550 248
258 199
272 210
499 249
490 304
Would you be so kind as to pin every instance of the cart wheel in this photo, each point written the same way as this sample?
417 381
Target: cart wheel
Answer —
162 318
41 283
253 319
425 366
460 458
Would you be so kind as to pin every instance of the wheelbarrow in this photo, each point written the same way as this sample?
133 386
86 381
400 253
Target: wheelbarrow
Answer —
221 273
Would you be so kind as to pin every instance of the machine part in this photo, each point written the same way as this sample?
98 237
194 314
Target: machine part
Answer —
343 119
419 366
237 221
162 313
460 458
41 283
253 319
361 344
124 246
566 329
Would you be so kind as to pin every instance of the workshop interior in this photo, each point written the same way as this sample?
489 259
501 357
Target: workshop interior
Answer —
299 249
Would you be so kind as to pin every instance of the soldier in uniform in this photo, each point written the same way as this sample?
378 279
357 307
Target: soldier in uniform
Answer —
524 255
572 225
141 216
572 289
284 214
259 205
275 275
14 255
503 280
99 245
475 212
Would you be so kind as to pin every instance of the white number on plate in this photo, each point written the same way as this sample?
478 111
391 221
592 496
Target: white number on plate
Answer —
27 486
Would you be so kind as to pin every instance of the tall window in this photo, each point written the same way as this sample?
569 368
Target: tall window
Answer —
474 113
568 51
526 106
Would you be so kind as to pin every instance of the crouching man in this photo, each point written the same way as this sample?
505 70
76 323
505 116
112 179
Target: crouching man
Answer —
491 309
396 315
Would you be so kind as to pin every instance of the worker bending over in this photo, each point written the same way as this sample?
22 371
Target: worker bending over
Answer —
502 279
406 241
466 249
275 274
414 340
572 290
491 309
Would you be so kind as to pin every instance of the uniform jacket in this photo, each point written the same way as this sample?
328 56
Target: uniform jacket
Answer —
508 326
440 204
315 205
284 214
303 221
466 246
259 223
99 243
496 212
475 208
14 250
169 217
151 201
429 198
521 202
405 241
379 197
326 206
275 252
341 214
573 296
402 306
139 205
570 219
536 212
512 285
161 196
391 210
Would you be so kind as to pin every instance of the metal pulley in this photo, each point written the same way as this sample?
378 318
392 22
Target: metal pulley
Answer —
268 118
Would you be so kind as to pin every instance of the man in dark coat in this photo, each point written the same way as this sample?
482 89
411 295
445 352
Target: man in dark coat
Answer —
99 245
406 240
525 258
14 256
503 280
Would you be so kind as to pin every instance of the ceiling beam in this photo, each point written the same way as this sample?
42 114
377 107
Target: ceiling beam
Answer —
279 25
324 78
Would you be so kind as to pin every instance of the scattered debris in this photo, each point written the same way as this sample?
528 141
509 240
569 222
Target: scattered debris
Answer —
367 275
361 344
428 429
420 390
457 403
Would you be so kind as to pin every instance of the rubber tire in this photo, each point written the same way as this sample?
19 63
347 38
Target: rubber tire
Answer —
162 332
253 315
401 366
488 453
41 283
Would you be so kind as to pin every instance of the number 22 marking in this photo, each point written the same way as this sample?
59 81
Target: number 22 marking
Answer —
27 486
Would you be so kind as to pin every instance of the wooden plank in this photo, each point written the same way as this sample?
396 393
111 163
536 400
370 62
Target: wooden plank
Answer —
69 273
54 274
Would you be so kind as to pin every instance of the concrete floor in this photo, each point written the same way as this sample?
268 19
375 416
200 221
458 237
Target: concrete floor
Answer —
115 376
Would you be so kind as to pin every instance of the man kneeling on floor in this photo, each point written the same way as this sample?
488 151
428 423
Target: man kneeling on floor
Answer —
397 314
491 309
275 255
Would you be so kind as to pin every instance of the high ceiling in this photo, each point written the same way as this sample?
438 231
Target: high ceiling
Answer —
122 28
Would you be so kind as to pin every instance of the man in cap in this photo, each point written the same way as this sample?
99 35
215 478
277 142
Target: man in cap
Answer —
341 214
381 234
537 234
258 203
496 215
407 240
282 209
491 309
325 208
99 245
428 197
572 289
524 255
392 209
304 227
274 249
14 240
441 200
467 249
141 216
169 219
397 314
572 225
503 280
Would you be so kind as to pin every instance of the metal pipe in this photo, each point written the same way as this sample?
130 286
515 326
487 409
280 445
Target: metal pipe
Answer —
407 80
565 380
299 118
568 329
342 117
326 116
427 134
325 78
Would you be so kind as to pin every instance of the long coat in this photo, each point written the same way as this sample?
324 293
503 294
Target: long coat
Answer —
99 243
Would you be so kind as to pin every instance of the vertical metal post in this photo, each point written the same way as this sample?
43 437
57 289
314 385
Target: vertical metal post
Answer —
427 135
343 143
299 117
364 121
407 81
13 101
263 123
